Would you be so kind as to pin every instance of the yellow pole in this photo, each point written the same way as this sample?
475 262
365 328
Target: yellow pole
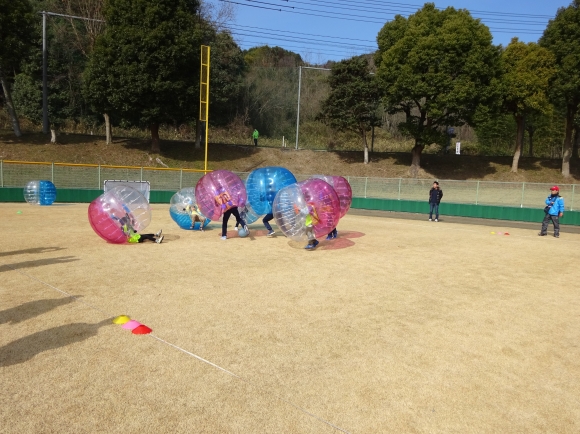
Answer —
204 94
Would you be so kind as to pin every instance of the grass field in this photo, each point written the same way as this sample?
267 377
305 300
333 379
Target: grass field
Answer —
398 326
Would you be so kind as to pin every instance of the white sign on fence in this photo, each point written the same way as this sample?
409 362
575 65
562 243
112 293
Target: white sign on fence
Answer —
457 148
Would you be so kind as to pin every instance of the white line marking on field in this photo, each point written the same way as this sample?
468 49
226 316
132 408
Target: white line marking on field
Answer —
201 359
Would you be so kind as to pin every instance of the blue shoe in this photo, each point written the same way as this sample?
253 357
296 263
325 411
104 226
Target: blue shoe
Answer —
309 247
329 237
316 242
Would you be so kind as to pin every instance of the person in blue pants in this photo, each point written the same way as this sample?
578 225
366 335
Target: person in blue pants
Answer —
266 221
435 196
554 211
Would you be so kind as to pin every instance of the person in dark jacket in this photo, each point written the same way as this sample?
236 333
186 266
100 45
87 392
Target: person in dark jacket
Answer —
435 196
554 210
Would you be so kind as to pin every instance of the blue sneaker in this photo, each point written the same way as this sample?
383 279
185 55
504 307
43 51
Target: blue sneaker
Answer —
329 237
316 242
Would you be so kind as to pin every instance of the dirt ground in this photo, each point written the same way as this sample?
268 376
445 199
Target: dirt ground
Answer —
399 325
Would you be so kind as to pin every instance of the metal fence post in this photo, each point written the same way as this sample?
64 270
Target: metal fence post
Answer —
52 173
141 173
523 191
99 181
298 109
1 173
181 179
477 193
572 202
366 182
400 181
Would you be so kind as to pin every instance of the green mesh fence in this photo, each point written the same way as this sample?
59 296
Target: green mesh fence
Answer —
509 194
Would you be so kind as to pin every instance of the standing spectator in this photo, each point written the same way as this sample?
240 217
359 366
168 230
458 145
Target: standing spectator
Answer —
435 196
554 210
255 135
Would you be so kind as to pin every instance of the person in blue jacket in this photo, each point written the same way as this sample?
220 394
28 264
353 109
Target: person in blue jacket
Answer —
554 211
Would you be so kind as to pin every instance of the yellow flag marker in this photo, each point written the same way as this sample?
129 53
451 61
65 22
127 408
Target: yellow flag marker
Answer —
121 319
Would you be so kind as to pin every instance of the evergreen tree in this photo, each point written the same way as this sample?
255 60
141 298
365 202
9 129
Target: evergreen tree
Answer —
562 37
16 39
438 67
145 66
353 101
526 72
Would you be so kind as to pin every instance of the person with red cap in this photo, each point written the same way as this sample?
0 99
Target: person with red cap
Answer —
554 211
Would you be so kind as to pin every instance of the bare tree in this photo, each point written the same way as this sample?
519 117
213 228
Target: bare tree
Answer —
93 27
220 14
86 33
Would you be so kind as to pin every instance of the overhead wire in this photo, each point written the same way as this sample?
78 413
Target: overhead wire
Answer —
388 10
419 6
351 17
350 45
318 42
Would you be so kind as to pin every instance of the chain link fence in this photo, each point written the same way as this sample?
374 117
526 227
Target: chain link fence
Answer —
78 176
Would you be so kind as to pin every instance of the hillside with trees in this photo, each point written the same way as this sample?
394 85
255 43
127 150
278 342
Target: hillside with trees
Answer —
131 69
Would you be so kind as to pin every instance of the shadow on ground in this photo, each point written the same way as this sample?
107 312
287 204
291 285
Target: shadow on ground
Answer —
35 250
32 309
344 241
38 263
24 349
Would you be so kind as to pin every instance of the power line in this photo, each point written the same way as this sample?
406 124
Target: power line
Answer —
360 18
305 40
300 33
389 10
419 6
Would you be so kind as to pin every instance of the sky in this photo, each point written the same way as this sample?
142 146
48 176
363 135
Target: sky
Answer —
321 30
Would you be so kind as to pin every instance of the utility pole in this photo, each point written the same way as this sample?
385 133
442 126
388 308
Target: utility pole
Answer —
44 77
298 111
299 89
45 122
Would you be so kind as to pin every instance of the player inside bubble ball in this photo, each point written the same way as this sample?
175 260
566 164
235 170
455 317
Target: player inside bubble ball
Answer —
127 224
311 220
195 215
224 200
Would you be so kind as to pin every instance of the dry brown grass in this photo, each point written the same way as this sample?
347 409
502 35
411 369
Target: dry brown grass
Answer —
404 326
74 148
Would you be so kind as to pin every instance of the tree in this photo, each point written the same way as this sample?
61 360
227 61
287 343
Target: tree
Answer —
438 67
561 37
353 100
16 38
145 65
526 72
267 56
65 65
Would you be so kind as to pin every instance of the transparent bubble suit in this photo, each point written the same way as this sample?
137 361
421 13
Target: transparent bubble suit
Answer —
218 191
120 205
343 191
40 193
263 184
178 212
295 202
